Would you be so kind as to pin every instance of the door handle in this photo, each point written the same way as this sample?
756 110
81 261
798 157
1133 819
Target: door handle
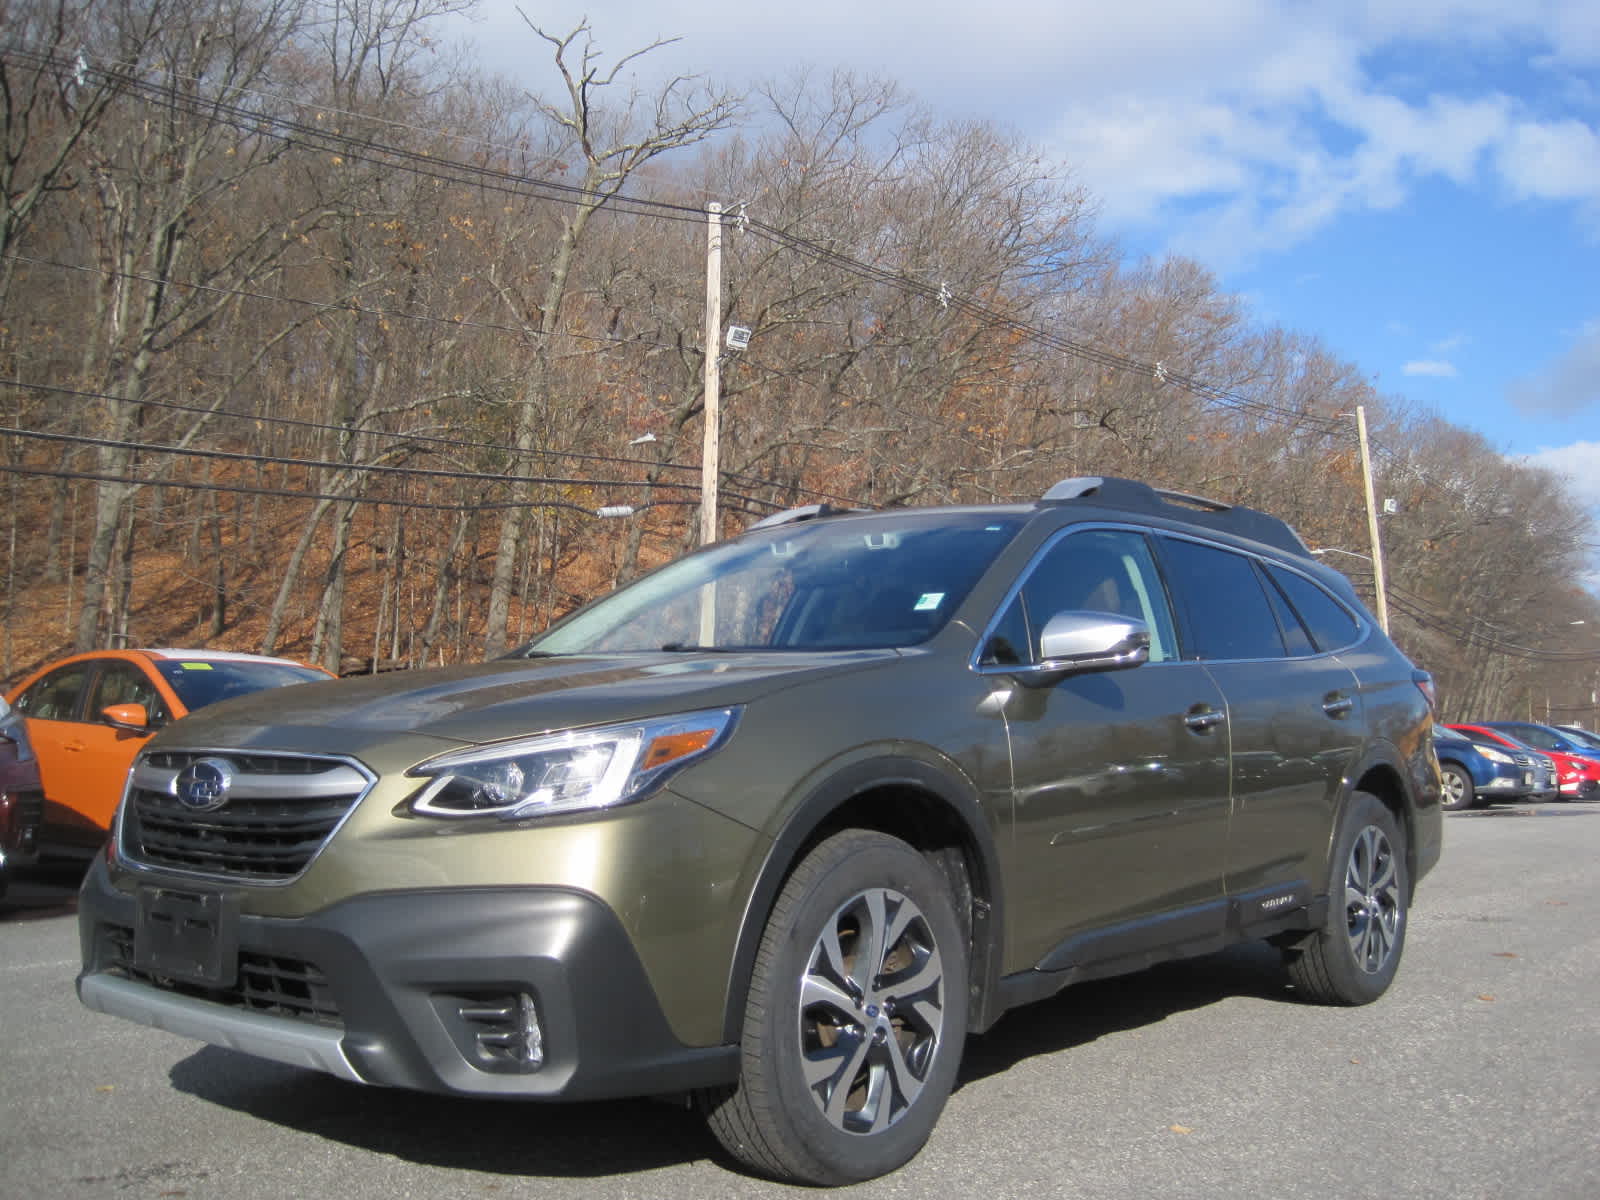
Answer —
1337 706
1203 719
73 746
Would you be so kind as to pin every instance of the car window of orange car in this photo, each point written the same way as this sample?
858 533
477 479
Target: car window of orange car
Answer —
55 697
124 683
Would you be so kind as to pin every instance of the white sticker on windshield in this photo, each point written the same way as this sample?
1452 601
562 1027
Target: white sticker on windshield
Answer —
929 601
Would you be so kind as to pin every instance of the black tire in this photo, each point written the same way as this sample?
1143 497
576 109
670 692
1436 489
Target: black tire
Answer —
1458 790
1352 959
845 1066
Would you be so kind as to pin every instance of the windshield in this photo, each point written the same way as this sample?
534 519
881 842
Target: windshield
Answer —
204 681
838 583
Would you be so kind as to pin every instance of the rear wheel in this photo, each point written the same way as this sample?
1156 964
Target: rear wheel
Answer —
1353 957
855 1020
1458 790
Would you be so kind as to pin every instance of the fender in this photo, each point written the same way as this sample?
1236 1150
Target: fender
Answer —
1416 798
827 796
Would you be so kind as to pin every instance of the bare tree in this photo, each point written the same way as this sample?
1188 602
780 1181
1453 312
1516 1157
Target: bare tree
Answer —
608 147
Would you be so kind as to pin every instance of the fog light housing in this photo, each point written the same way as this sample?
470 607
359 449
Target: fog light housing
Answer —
498 1032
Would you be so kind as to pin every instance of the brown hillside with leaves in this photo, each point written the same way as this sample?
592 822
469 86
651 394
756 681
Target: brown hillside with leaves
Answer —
302 356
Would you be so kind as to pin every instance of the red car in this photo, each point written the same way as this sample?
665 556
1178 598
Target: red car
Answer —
21 797
1576 776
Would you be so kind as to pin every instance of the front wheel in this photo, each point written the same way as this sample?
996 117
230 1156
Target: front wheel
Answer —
855 1020
1458 790
1353 957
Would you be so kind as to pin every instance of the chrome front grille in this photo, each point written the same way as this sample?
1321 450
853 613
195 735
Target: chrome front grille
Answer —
277 812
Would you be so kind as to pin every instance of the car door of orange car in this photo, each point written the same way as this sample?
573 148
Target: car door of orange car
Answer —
108 752
83 762
53 705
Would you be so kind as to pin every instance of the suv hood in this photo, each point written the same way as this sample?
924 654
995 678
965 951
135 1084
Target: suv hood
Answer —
507 698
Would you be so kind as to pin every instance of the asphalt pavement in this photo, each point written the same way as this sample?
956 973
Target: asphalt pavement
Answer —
1476 1076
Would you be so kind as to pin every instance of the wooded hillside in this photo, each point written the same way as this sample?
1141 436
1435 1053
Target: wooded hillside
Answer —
315 342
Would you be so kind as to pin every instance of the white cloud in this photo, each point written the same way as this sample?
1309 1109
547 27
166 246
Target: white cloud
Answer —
1436 368
1568 385
1552 161
1244 125
1579 463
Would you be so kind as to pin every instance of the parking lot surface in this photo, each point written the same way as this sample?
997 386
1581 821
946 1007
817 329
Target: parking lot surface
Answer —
1476 1076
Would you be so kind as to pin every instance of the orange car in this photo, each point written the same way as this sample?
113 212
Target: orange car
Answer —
89 714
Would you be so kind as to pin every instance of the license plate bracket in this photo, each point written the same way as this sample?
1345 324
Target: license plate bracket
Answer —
188 935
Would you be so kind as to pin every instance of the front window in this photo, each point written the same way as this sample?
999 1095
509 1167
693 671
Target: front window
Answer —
1101 570
124 683
837 583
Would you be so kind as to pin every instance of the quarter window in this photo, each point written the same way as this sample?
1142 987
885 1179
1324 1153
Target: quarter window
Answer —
1332 625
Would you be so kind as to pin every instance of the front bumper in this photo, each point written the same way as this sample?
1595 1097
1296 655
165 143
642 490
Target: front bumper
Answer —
418 989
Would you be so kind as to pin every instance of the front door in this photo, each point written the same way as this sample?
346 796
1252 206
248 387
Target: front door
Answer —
1120 778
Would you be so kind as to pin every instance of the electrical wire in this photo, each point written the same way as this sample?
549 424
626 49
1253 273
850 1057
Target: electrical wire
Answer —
379 154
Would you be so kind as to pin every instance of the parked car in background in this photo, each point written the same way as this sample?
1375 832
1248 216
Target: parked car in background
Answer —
21 798
1577 775
1586 738
1475 775
89 714
1546 777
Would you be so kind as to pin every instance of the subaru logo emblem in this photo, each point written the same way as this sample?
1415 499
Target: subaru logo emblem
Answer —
203 785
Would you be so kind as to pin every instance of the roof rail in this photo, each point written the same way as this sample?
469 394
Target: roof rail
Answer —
1213 514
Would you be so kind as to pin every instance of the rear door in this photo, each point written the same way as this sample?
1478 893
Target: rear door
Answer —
53 706
1294 713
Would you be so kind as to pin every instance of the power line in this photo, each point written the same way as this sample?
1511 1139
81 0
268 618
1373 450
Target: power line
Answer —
379 154
299 494
420 438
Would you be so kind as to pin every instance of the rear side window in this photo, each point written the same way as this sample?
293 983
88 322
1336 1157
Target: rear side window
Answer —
1228 614
1331 624
55 697
1533 736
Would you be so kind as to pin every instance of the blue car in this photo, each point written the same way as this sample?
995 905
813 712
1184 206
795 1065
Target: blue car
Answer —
1475 775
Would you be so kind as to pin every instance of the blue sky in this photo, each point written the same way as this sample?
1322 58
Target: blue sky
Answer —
1415 182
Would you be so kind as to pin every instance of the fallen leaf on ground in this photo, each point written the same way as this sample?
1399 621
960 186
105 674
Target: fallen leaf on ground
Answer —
1180 1129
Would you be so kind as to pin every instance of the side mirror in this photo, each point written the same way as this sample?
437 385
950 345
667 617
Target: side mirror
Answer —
131 717
1074 643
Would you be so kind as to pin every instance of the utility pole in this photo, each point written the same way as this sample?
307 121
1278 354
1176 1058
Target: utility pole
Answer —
710 454
711 448
1379 589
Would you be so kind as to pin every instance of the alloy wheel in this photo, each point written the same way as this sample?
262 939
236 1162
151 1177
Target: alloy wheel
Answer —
1373 904
872 1011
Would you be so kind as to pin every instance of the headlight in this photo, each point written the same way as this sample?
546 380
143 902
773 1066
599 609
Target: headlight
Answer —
567 772
1493 755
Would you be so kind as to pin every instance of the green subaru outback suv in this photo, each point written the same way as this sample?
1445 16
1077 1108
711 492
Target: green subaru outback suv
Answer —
779 824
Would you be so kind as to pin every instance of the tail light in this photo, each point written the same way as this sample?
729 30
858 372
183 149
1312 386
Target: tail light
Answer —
1424 683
